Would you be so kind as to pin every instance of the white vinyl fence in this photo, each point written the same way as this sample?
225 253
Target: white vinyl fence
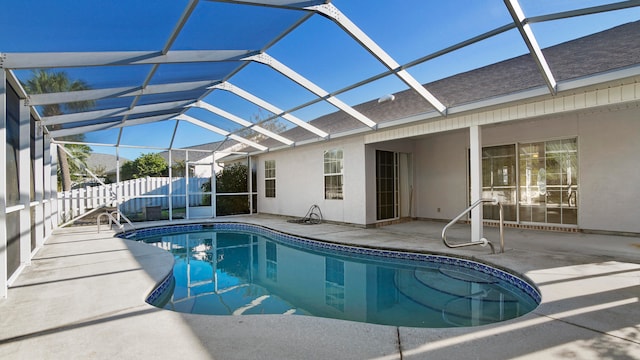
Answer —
134 196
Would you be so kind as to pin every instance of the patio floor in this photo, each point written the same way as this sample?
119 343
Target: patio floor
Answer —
83 295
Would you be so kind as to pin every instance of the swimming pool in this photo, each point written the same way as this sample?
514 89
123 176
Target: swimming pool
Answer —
242 269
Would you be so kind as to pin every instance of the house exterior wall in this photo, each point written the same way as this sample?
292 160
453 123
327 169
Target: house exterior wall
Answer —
609 170
609 150
604 121
441 175
300 181
609 165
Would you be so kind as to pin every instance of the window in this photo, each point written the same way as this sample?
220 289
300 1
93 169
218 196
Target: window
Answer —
270 178
333 166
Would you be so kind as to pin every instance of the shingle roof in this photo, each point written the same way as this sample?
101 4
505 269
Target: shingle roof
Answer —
611 49
179 155
97 160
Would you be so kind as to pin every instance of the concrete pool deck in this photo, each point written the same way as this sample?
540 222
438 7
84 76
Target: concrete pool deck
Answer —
83 295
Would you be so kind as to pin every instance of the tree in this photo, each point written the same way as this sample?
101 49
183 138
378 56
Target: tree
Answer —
274 125
44 82
232 179
101 172
149 164
178 169
81 153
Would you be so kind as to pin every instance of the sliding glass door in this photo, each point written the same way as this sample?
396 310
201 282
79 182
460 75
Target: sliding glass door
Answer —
539 185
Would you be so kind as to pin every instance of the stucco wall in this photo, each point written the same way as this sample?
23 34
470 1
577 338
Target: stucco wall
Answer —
300 182
608 155
441 175
609 158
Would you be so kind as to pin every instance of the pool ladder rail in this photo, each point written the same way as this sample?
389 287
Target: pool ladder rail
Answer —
113 219
483 241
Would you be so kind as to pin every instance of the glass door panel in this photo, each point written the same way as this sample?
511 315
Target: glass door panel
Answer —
499 181
533 182
548 182
199 194
386 185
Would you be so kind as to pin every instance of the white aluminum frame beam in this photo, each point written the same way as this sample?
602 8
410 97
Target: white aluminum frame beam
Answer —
109 125
527 35
333 13
123 111
270 107
219 131
38 179
585 11
167 46
290 4
184 17
97 94
247 124
266 59
48 194
117 58
24 180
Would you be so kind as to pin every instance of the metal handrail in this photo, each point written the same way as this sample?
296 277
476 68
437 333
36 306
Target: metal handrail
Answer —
483 241
118 212
113 219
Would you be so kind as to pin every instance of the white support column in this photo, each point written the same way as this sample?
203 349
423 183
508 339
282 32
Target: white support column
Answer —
214 195
186 184
24 177
46 178
250 183
3 184
475 159
53 179
118 182
212 192
170 200
38 179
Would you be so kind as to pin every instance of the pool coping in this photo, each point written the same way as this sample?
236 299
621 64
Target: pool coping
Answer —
520 281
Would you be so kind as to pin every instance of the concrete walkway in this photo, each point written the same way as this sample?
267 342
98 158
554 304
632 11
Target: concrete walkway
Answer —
83 298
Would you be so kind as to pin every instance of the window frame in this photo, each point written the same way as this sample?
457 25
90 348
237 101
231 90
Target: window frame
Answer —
333 173
545 188
269 179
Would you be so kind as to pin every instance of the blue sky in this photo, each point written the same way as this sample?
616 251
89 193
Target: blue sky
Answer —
318 49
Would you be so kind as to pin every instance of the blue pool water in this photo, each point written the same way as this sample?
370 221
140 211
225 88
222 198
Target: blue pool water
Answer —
238 269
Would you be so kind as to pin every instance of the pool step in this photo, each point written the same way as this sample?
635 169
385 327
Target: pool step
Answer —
459 284
462 302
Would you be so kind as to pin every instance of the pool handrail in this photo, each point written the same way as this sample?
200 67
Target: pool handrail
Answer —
483 241
113 219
